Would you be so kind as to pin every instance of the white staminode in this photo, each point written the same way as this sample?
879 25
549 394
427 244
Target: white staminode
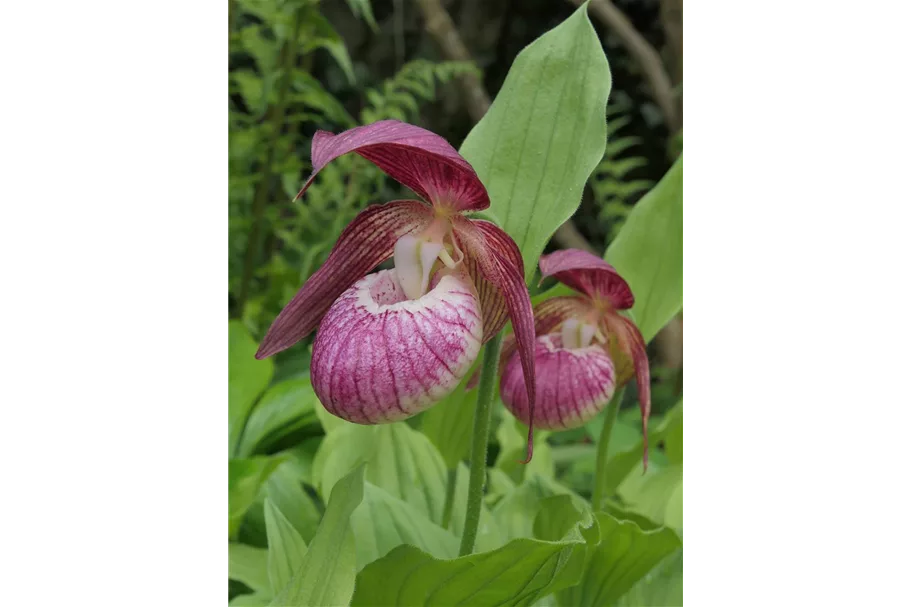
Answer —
414 258
577 334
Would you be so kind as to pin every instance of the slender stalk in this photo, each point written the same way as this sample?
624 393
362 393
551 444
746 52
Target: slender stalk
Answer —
450 497
478 462
610 417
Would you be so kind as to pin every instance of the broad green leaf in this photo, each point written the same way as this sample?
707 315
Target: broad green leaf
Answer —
448 424
559 514
300 458
399 459
657 495
330 422
627 461
285 409
485 214
286 547
673 512
544 134
648 253
515 513
555 519
247 378
490 536
516 574
673 441
258 599
624 555
245 476
661 587
383 522
513 436
285 490
499 485
326 574
247 564
622 513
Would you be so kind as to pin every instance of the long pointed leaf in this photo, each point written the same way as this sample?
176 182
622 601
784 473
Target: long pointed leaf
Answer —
326 574
648 253
518 573
626 553
544 134
286 547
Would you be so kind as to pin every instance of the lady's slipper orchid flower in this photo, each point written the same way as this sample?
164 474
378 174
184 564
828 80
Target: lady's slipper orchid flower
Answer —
584 348
393 343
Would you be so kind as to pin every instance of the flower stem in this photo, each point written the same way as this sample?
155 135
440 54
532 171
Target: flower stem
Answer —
478 463
610 416
450 497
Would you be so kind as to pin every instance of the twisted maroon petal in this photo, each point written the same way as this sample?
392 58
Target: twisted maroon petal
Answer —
493 302
632 344
366 242
588 274
415 157
500 262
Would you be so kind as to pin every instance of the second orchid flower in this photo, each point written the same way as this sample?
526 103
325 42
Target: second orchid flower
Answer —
584 349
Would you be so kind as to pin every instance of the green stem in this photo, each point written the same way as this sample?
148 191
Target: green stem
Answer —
478 463
450 497
610 416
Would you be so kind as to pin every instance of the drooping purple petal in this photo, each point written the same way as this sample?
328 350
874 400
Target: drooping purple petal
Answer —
588 274
365 243
381 357
415 157
573 384
499 260
631 344
493 302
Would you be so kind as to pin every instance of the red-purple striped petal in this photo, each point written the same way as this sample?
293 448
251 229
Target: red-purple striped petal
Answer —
493 303
365 243
500 262
380 357
588 274
631 346
415 157
573 385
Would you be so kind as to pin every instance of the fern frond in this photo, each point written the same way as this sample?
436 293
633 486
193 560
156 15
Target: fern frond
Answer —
614 192
615 125
415 83
617 146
